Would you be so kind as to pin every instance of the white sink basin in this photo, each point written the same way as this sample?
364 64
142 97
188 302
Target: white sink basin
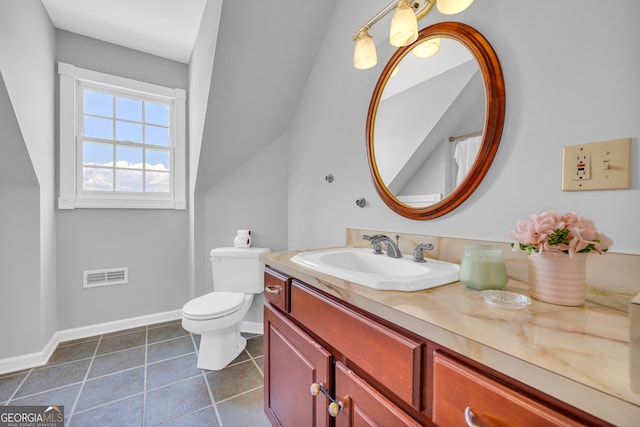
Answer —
380 272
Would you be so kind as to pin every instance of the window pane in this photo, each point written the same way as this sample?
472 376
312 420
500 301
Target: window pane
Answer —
156 135
157 182
128 157
158 160
100 104
98 128
129 109
128 180
126 131
97 179
157 113
97 154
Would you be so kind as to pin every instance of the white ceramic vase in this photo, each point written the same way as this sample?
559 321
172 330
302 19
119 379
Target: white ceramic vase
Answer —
557 278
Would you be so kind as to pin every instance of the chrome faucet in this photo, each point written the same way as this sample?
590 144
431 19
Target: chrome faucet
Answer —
392 247
418 256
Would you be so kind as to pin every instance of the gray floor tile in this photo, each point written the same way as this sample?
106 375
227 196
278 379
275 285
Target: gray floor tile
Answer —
175 400
122 341
254 346
240 358
168 349
244 410
113 393
123 413
9 384
70 352
203 418
49 377
234 380
65 396
172 370
117 361
172 330
99 391
260 362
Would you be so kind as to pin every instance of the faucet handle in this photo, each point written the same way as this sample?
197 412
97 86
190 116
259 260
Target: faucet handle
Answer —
375 240
418 256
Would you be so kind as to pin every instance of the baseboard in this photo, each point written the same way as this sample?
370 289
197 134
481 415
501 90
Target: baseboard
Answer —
252 327
33 360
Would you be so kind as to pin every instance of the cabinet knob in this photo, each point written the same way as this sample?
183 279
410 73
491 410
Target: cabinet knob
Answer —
335 408
314 389
469 417
271 290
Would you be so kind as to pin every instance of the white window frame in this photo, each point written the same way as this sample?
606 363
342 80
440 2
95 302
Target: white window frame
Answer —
71 194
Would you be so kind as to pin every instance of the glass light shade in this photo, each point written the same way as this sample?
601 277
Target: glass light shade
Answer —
395 71
404 25
364 53
427 48
451 7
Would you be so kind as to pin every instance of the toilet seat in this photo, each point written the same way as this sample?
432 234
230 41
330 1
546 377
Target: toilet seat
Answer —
213 305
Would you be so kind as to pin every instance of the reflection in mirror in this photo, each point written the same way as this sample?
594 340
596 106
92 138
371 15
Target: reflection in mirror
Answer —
435 122
429 101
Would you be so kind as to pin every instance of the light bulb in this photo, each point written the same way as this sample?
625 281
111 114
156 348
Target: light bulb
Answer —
451 7
364 53
404 25
427 48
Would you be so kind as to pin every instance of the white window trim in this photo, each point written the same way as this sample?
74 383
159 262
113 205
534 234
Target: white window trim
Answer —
69 197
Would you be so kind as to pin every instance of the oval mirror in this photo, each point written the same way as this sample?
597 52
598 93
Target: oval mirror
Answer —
435 121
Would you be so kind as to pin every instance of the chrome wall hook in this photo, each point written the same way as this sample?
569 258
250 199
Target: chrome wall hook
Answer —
361 202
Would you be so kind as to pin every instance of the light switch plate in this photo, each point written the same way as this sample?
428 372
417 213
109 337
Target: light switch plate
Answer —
602 165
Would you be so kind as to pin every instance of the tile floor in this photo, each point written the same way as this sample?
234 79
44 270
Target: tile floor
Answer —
146 377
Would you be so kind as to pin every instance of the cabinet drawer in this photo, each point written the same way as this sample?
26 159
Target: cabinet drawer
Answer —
391 359
276 289
460 391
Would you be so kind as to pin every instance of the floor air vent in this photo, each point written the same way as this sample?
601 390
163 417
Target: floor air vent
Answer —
111 276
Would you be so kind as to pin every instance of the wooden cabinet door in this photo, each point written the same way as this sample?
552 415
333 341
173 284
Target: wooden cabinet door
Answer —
292 362
363 406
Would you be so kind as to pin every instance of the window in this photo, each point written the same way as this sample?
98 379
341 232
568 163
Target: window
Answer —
122 142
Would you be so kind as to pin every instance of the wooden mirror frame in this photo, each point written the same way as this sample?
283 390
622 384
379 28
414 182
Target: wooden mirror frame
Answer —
493 122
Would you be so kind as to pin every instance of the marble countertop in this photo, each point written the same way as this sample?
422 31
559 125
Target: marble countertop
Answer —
579 355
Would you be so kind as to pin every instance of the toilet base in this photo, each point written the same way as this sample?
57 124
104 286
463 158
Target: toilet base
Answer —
220 348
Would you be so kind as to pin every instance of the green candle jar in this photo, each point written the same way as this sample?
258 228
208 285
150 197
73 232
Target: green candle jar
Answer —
483 267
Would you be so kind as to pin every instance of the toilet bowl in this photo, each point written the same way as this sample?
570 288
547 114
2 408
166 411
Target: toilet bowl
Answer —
217 316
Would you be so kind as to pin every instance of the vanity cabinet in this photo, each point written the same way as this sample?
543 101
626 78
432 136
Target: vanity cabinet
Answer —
371 372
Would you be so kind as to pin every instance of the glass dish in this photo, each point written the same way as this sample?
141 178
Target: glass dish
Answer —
505 299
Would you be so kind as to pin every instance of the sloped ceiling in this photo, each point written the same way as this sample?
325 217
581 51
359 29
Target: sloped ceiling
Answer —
265 53
166 28
15 164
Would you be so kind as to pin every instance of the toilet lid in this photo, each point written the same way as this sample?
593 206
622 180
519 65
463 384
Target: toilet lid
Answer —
213 305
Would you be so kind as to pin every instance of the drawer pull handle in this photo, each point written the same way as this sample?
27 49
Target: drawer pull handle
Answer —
469 417
271 290
334 407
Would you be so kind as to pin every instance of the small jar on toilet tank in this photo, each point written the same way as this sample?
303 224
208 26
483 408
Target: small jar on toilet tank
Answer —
242 239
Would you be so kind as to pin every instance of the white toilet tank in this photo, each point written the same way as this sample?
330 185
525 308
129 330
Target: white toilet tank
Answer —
238 270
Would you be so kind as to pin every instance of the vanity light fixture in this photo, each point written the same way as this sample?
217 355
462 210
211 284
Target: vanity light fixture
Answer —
404 28
404 25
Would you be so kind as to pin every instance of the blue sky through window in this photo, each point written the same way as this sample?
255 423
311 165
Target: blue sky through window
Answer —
134 121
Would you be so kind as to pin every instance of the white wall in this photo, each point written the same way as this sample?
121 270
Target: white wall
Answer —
571 78
151 243
252 197
27 47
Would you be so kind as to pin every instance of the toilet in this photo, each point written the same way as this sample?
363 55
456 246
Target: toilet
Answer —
238 275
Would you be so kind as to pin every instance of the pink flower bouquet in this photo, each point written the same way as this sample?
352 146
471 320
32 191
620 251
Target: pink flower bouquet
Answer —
550 232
